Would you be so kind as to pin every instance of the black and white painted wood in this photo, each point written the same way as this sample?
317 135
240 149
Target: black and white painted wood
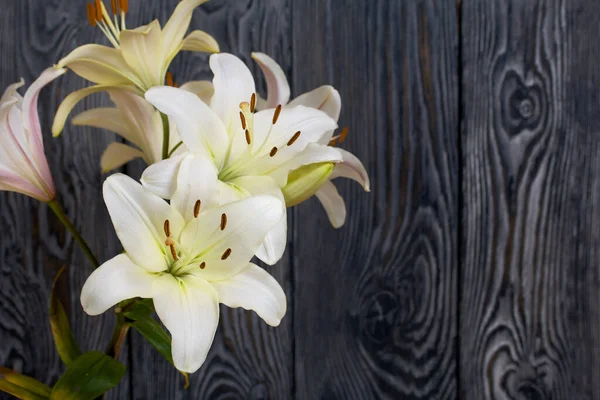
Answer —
469 272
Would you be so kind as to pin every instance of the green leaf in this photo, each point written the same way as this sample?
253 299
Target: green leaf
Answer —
65 342
137 308
89 376
21 386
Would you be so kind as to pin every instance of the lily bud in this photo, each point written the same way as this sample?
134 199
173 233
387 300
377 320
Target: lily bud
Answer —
305 181
23 164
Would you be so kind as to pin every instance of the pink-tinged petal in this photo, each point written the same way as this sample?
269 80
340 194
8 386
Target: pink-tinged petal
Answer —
11 92
278 89
333 203
351 168
13 182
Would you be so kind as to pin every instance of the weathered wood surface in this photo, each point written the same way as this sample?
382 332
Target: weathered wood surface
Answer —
375 301
469 272
531 196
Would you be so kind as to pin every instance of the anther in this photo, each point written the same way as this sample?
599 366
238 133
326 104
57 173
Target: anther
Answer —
343 135
167 228
273 152
276 115
202 265
248 139
226 254
99 17
243 119
124 6
91 14
113 6
253 102
173 252
223 221
332 142
197 208
169 78
169 242
294 138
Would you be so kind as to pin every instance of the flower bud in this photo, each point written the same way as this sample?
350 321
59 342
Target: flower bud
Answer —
305 181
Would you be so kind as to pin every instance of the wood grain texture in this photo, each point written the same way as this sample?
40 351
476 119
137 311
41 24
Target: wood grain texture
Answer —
35 35
248 358
530 289
375 310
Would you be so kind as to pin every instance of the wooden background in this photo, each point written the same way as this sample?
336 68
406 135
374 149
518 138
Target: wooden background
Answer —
471 271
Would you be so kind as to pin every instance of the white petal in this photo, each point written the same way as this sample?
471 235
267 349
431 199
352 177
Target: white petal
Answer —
189 309
200 41
248 221
199 127
142 49
333 204
278 89
116 280
11 92
196 180
100 64
325 98
139 217
202 89
234 84
118 154
176 27
352 168
161 178
255 289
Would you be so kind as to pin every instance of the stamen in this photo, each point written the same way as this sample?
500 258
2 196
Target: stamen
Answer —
343 135
226 254
167 228
253 102
223 221
124 6
273 152
98 10
276 115
332 142
294 138
91 14
248 139
169 78
243 119
169 242
173 252
202 265
113 7
197 208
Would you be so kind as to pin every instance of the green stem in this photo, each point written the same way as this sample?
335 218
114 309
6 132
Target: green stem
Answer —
166 134
55 206
118 337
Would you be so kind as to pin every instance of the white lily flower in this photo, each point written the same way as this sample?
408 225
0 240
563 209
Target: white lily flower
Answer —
327 99
188 258
23 164
252 153
140 57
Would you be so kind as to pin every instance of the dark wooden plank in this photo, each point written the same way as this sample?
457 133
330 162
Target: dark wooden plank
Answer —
248 359
33 36
530 289
375 302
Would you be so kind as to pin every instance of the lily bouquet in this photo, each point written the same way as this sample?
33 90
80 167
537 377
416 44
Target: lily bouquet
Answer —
223 166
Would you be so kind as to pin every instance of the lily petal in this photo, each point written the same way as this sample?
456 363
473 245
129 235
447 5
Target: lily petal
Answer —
199 127
100 64
190 310
234 84
333 204
118 154
200 41
161 178
278 88
324 98
196 180
255 289
202 89
226 251
141 48
138 217
11 91
352 168
116 280
175 29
